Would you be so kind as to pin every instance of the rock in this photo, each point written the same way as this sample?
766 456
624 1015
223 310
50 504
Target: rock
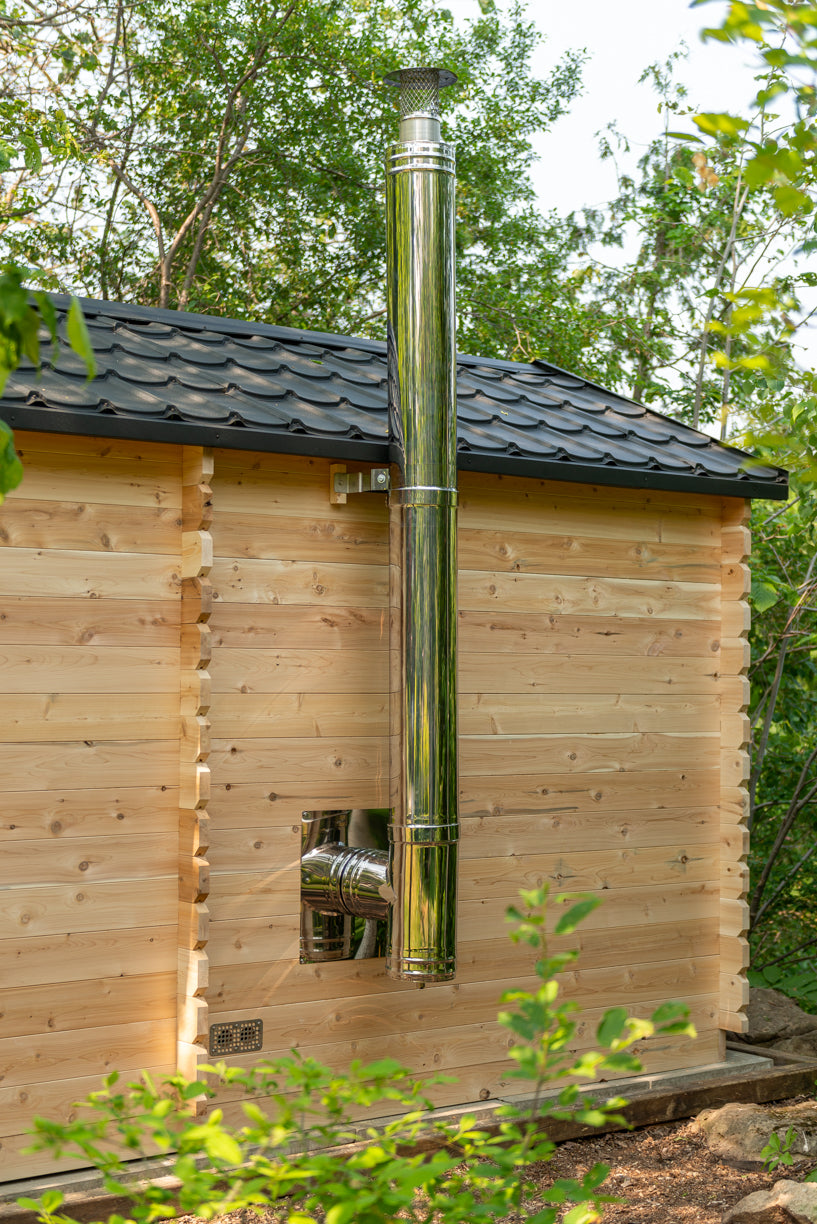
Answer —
774 1017
805 1044
790 1200
737 1134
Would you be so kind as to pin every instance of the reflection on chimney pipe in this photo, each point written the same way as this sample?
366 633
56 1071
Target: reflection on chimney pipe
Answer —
420 190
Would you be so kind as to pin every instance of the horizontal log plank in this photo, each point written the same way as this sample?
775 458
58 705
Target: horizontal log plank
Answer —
299 627
582 754
606 949
560 553
30 913
263 715
589 870
57 525
52 621
78 860
81 955
552 633
35 442
238 669
347 757
109 481
70 573
59 813
542 714
117 1047
255 894
78 764
561 794
55 1101
562 593
308 538
85 669
244 580
521 673
58 1007
49 717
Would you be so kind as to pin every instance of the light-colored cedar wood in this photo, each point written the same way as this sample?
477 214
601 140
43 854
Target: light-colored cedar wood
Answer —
86 954
735 692
562 829
344 758
88 526
195 692
35 444
299 627
194 741
191 1056
44 621
554 794
116 482
82 669
30 913
564 713
194 878
279 537
267 939
196 600
75 763
87 813
82 860
197 554
599 753
244 580
196 645
590 870
309 1025
655 502
264 715
551 633
194 925
16 1161
197 506
336 497
72 574
564 593
733 957
62 1007
520 673
256 894
269 848
485 511
198 512
194 831
193 1021
55 1101
586 555
300 671
50 717
193 971
237 805
68 1055
489 960
291 495
735 769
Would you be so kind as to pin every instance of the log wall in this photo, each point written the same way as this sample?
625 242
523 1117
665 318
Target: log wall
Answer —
187 668
89 749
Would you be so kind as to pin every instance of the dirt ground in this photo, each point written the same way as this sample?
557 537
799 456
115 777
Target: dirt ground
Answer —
665 1175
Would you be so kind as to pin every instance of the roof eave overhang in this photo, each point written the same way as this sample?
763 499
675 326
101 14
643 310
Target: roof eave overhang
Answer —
361 450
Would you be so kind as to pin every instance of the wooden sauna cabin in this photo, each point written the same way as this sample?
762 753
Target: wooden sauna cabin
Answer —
194 651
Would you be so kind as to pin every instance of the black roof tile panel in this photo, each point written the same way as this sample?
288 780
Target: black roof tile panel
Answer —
227 382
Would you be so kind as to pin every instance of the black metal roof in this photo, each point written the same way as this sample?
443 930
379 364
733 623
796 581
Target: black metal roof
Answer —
165 375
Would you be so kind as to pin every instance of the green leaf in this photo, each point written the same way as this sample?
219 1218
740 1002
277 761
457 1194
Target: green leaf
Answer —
577 913
78 337
764 595
11 469
612 1025
721 124
684 136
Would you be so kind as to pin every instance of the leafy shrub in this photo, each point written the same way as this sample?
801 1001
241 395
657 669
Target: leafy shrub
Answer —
301 1155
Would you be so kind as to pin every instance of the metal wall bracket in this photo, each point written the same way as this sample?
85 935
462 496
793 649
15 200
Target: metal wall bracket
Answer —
342 483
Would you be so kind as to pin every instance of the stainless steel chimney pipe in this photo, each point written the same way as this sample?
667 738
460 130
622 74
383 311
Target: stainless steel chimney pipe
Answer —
424 834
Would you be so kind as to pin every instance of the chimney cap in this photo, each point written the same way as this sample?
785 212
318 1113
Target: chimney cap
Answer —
408 76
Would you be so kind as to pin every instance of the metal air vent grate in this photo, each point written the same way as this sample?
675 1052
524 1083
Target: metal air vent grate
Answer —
237 1037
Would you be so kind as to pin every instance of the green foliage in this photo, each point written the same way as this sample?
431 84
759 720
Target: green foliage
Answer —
289 1155
778 1151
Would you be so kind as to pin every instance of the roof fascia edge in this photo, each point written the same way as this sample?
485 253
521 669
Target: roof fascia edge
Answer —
356 450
